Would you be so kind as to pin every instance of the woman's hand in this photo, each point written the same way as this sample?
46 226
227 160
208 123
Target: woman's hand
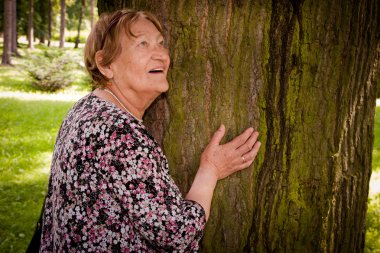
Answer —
233 156
219 161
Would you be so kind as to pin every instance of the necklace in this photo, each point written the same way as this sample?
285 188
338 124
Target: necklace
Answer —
117 99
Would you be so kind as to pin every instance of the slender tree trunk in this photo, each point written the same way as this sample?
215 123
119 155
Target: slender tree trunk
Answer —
83 4
30 25
92 13
7 26
50 21
43 11
14 28
302 73
63 24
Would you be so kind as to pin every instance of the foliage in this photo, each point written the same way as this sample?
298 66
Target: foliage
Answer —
82 39
376 144
53 69
73 10
16 78
373 226
41 16
372 244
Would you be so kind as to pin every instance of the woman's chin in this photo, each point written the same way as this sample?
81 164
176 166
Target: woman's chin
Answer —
164 87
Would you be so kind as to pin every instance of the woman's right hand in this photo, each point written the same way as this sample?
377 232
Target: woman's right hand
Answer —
226 159
221 160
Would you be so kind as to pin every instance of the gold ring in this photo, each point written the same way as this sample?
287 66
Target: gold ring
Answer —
243 158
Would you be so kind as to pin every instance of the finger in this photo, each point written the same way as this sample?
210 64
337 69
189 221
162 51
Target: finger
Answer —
218 136
247 146
242 138
251 155
248 157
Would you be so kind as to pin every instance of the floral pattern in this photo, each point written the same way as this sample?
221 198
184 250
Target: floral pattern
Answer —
110 188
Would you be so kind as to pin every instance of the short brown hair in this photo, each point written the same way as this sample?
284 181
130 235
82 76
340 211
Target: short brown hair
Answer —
105 36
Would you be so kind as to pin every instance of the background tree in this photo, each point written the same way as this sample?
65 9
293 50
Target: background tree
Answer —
92 13
63 24
301 72
14 28
30 25
50 21
42 20
80 9
7 30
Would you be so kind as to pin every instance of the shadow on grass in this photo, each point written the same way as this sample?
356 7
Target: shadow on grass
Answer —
20 208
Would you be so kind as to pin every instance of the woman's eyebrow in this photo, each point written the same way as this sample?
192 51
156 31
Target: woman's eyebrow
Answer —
142 34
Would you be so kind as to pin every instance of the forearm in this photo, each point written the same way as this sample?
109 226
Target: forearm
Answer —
202 188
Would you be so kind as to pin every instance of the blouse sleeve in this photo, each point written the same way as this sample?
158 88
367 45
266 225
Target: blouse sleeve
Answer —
141 183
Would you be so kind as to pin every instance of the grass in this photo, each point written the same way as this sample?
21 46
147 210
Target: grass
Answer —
25 162
29 122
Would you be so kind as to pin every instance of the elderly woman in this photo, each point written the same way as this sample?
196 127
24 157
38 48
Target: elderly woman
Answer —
110 188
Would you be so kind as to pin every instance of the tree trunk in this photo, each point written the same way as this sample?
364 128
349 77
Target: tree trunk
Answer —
14 28
63 24
302 73
43 13
30 25
92 13
50 21
82 5
7 27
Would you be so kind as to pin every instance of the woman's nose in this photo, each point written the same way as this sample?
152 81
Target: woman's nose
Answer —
160 53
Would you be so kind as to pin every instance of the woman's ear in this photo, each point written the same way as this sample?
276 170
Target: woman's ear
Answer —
105 70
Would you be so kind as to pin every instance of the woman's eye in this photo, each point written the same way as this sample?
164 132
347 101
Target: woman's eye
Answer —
163 44
143 44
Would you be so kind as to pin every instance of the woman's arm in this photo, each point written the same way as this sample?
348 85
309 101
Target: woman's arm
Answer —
221 160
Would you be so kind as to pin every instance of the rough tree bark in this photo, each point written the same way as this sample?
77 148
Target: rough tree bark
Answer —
7 26
63 24
30 25
302 73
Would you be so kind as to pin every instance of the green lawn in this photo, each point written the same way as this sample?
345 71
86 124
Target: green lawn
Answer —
29 122
27 133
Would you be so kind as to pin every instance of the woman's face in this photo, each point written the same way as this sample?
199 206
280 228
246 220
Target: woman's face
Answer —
142 66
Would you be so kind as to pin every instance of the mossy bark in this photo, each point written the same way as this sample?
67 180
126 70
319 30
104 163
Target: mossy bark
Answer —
303 74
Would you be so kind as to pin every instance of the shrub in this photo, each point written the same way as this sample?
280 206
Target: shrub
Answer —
372 244
51 70
82 39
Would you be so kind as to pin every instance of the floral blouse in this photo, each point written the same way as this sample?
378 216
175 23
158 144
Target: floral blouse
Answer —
110 188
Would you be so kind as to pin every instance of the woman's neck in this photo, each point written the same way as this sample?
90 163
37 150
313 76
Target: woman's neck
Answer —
115 96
